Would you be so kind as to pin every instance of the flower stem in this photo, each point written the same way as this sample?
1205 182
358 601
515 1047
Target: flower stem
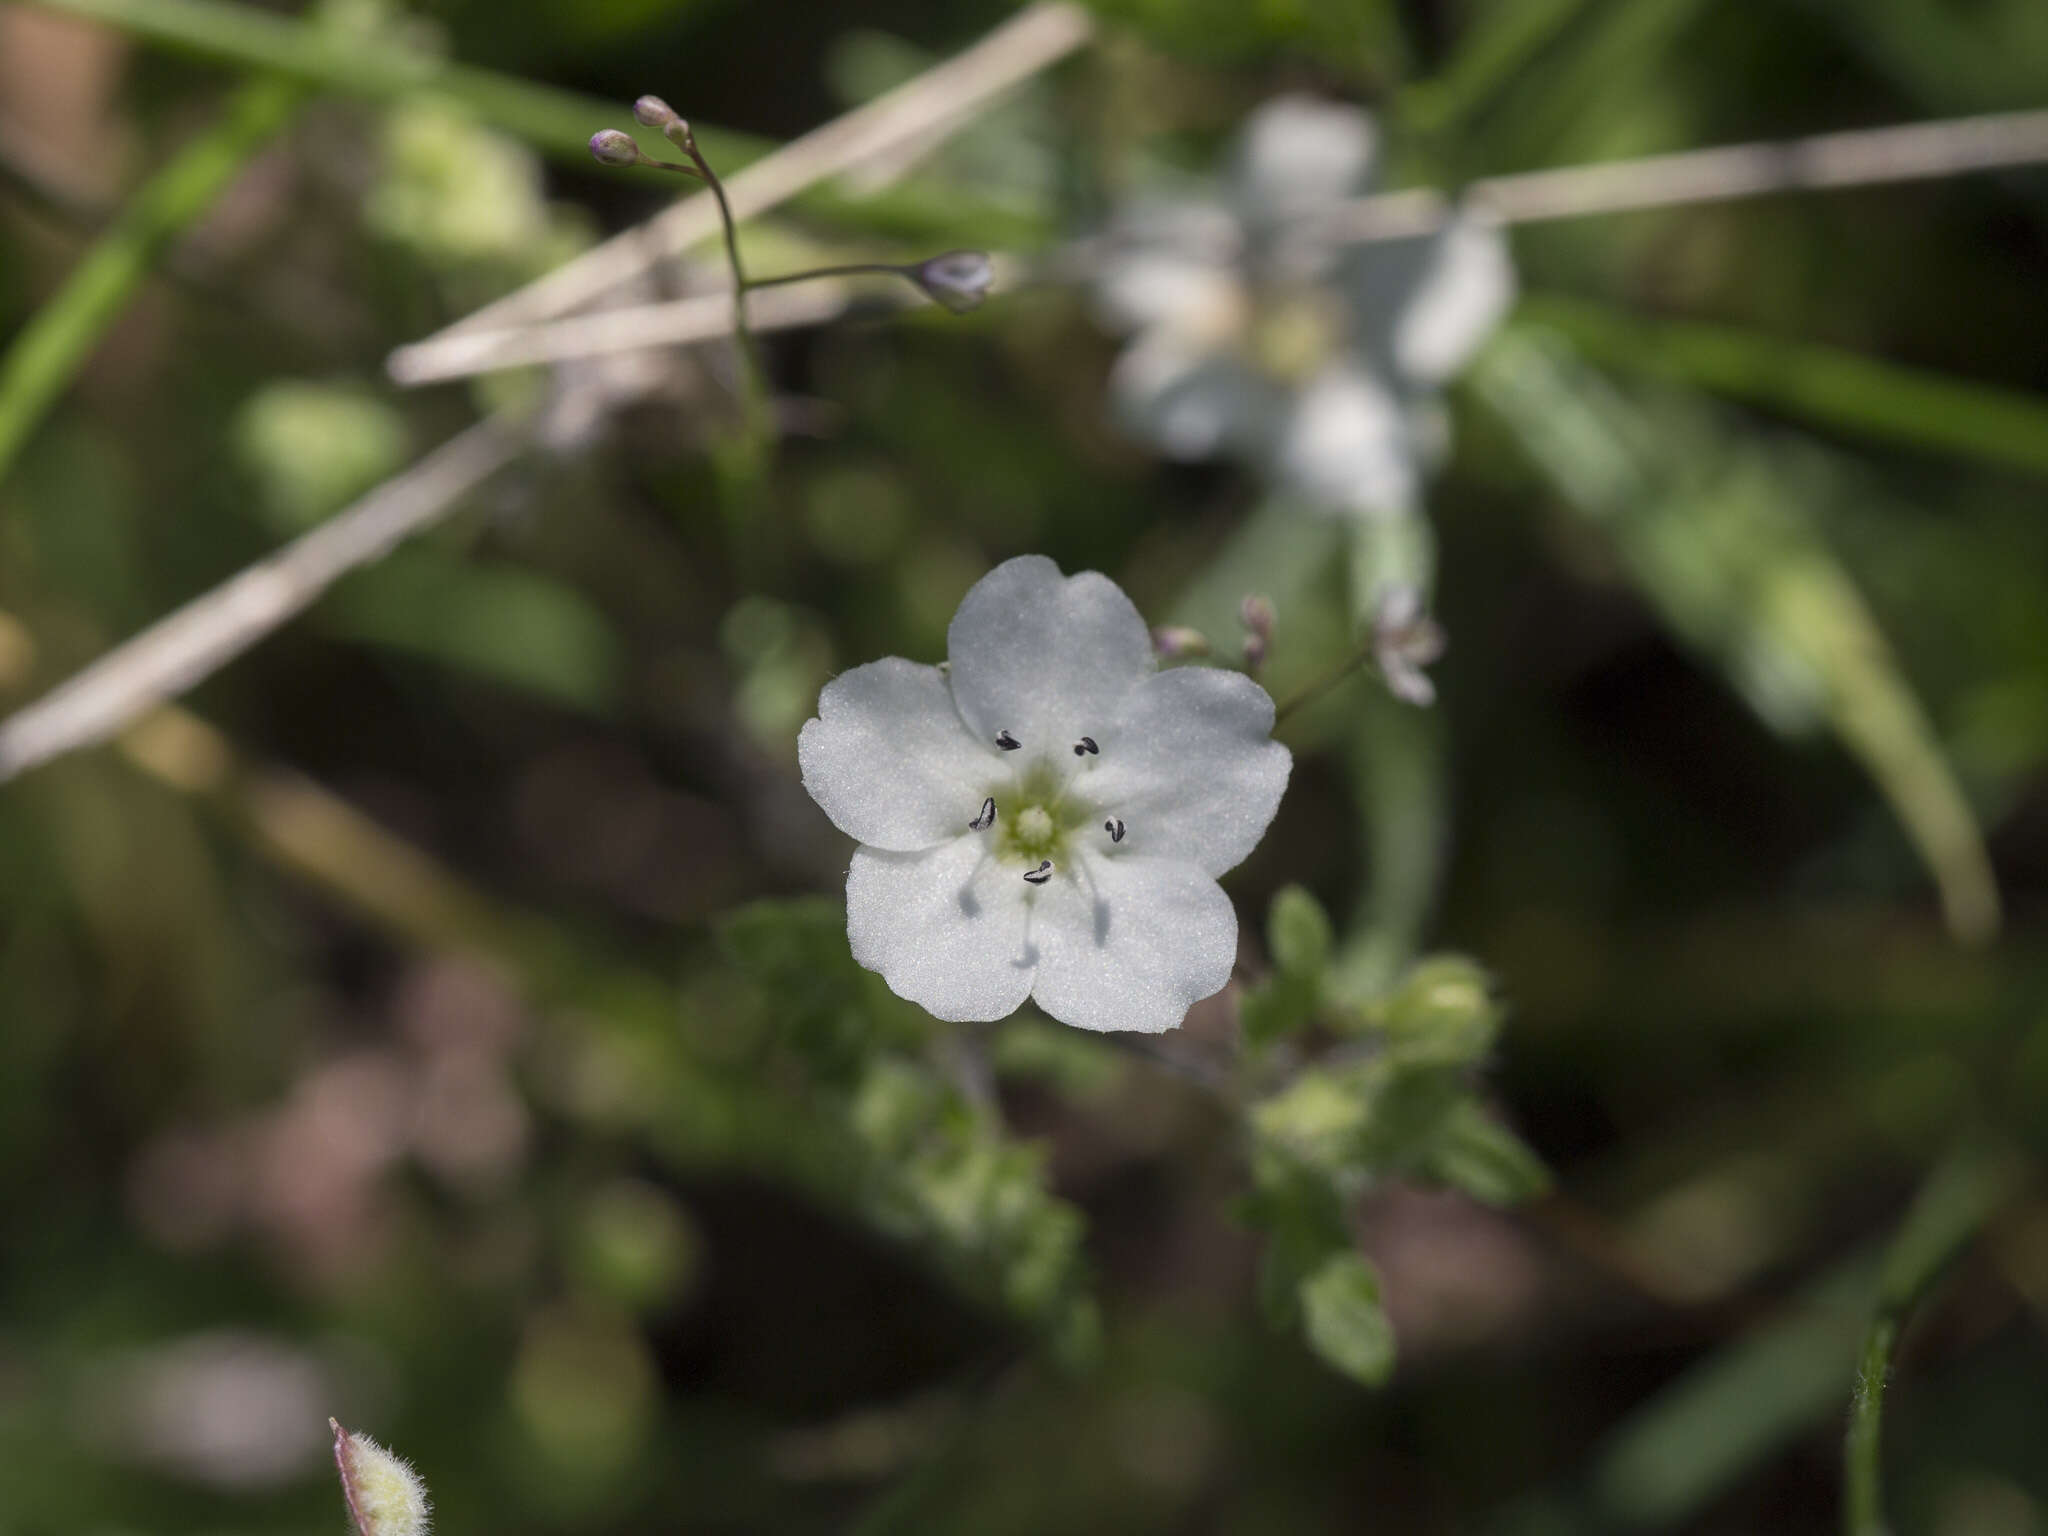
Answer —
1965 1190
753 382
849 269
1312 691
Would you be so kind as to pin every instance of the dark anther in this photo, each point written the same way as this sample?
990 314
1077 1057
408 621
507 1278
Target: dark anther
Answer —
1115 828
1085 746
1041 874
1007 742
987 818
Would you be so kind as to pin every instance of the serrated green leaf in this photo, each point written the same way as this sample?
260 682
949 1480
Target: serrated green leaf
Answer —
1344 1322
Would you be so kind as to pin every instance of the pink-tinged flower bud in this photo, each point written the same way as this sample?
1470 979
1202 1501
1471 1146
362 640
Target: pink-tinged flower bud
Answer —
653 112
1257 614
1173 641
610 146
959 280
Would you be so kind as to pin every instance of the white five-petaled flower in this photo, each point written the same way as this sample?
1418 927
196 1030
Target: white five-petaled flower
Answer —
1046 815
1258 335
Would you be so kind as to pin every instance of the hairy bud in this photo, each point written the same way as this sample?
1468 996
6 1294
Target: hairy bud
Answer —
385 1496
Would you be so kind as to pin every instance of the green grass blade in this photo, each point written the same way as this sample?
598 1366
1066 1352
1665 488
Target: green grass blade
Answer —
556 121
1714 534
1500 43
1823 385
62 334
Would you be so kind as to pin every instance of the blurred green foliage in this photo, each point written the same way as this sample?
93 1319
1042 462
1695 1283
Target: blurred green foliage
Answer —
450 1025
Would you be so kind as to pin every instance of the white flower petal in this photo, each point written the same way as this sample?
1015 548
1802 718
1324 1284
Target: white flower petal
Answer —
889 759
1188 399
1131 943
1465 293
1046 657
1167 285
1190 768
1297 154
1350 445
945 927
1422 305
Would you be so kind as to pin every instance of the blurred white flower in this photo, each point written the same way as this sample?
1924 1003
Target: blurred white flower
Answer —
1256 336
1045 816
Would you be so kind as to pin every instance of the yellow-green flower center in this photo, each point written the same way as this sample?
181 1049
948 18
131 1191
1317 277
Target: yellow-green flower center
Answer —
1294 332
1033 819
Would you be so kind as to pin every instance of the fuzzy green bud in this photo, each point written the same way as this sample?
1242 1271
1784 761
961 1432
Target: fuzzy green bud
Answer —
385 1496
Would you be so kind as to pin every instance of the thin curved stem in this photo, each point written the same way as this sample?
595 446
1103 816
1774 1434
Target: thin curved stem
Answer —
1312 691
849 269
755 376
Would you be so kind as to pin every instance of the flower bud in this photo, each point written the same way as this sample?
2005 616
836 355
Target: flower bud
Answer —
385 1496
1257 614
610 146
1176 640
959 280
653 112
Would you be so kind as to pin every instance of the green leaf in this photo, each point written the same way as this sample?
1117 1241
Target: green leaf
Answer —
1712 528
795 952
313 447
1344 1322
1443 1013
505 623
1733 1410
1489 1162
1302 1215
1298 932
1276 1008
1318 1121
